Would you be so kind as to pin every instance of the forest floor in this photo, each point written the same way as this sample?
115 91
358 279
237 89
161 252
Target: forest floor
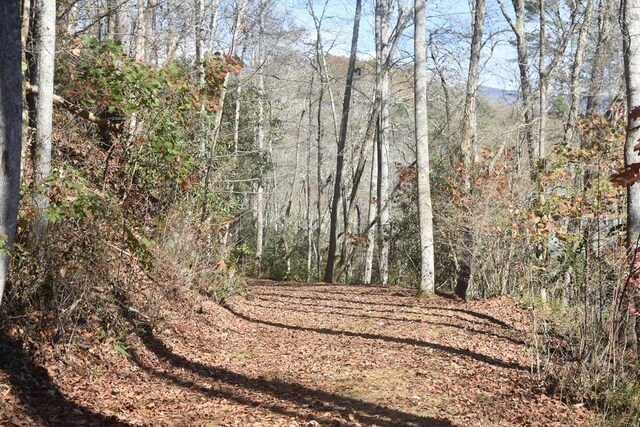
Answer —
290 354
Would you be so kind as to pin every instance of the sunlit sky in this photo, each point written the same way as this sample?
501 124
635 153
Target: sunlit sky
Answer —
448 20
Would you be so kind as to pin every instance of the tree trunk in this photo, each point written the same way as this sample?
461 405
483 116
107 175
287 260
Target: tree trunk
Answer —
308 183
342 140
596 78
371 216
576 68
384 130
631 36
260 148
469 148
352 207
10 129
544 71
27 58
631 50
519 30
237 23
427 272
123 26
143 30
213 24
543 84
199 18
45 14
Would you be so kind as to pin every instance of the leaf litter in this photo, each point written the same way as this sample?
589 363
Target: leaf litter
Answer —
292 354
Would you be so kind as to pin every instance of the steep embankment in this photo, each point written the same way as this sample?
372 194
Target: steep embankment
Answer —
295 355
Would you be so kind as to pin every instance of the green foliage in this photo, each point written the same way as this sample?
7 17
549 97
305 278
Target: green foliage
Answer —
72 198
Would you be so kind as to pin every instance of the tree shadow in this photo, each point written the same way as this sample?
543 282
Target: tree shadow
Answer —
388 304
390 311
351 290
394 319
40 397
410 341
298 395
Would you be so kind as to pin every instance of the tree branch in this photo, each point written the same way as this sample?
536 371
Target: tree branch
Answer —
59 101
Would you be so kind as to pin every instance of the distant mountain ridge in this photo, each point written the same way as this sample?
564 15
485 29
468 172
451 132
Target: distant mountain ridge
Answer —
500 96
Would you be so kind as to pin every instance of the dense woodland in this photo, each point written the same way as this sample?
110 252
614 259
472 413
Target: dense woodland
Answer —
471 150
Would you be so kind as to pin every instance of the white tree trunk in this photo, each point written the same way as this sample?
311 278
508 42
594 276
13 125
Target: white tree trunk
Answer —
123 27
427 275
260 192
631 34
260 203
342 141
10 129
142 30
575 94
470 148
384 134
373 212
199 32
631 40
45 14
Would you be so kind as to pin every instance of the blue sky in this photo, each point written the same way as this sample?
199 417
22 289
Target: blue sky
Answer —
451 19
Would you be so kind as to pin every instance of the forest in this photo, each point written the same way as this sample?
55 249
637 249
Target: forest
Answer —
320 212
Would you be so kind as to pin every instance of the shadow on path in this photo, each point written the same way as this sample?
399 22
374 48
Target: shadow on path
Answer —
368 308
40 397
411 341
393 319
387 304
298 395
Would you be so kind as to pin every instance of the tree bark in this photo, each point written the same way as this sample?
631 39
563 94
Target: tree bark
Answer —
469 148
260 146
519 30
10 130
427 269
45 14
576 68
342 140
596 78
384 134
237 23
371 216
123 26
199 32
544 71
631 52
79 111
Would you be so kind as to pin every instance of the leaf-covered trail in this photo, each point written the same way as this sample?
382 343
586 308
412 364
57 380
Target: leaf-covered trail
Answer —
301 355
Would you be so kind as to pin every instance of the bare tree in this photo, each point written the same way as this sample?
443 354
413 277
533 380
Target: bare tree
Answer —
469 145
45 17
10 129
546 65
383 22
596 78
631 40
260 137
427 272
342 141
199 22
631 51
519 30
122 25
576 69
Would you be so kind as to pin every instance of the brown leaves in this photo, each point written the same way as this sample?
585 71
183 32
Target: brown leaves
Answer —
297 355
629 175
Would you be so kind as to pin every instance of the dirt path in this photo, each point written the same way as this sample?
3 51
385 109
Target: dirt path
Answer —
300 355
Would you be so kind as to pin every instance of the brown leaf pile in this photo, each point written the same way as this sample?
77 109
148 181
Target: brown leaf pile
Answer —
295 355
